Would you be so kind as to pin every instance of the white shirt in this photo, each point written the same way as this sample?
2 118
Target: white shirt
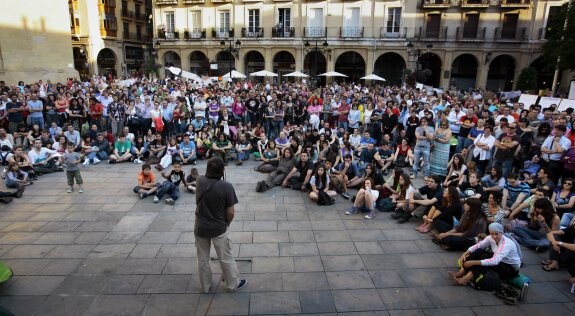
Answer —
482 153
510 119
39 156
453 118
564 142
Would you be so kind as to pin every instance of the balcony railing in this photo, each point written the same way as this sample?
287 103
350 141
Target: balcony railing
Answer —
166 2
432 33
253 32
132 15
195 34
193 1
136 37
314 31
462 35
287 32
475 3
168 35
351 31
435 4
221 1
392 32
515 3
222 32
510 34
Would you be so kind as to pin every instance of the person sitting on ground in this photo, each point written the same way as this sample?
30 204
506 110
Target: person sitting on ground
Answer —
298 178
471 188
270 157
365 200
243 149
515 192
563 197
282 141
191 180
172 152
473 222
139 150
146 182
121 150
562 252
276 177
543 218
157 149
524 210
100 150
43 159
320 182
492 181
171 185
496 252
444 214
187 151
423 199
541 181
21 159
493 211
531 167
370 171
384 157
16 178
222 148
403 154
401 192
346 173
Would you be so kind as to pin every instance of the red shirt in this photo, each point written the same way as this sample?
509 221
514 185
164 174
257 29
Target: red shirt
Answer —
343 116
96 108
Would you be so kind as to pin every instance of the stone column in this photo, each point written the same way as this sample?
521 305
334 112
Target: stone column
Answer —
447 61
184 59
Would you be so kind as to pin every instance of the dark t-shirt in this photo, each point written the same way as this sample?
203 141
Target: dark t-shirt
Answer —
302 168
507 154
211 214
429 194
176 177
470 190
16 117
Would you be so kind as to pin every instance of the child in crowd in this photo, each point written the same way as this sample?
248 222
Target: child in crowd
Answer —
191 180
146 182
16 178
72 160
171 185
530 167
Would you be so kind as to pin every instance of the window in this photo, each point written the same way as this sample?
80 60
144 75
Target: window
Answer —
551 19
170 22
124 6
315 23
224 22
393 20
195 20
138 9
109 22
509 26
351 23
284 18
139 32
470 26
126 30
253 20
433 25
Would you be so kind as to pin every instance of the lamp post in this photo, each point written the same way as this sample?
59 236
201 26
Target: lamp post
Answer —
317 49
233 49
417 53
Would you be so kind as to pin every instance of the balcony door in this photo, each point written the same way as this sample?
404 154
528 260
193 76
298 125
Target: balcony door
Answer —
253 21
195 24
315 23
224 22
433 25
393 22
509 26
170 24
351 23
470 26
284 22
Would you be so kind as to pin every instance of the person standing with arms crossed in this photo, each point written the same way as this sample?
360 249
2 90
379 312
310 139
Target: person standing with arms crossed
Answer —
215 200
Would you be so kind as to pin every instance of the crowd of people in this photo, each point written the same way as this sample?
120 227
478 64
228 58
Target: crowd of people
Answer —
491 165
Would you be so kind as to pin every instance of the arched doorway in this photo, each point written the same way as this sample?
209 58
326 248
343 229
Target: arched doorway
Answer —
544 73
106 61
199 63
314 64
284 63
226 63
171 59
501 73
254 61
81 62
391 67
428 69
352 65
464 71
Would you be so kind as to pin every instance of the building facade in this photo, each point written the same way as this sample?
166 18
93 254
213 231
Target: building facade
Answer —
110 37
35 44
467 43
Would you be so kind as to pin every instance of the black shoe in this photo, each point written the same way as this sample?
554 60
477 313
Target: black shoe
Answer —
404 218
6 199
20 191
259 187
243 283
397 215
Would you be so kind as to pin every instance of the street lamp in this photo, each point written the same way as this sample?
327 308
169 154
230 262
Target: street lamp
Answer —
417 53
233 49
323 49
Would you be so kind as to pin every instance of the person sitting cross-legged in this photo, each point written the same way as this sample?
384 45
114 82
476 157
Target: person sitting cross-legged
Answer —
171 185
146 182
121 150
365 199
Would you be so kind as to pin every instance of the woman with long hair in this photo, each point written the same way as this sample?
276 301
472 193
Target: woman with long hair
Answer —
319 181
456 169
441 217
563 197
403 154
270 158
473 222
440 150
365 199
543 218
402 191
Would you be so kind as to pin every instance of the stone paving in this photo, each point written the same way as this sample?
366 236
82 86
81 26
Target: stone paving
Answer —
106 252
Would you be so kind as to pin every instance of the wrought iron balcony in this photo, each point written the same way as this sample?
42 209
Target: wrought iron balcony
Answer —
166 2
432 33
287 32
168 35
510 34
462 35
475 3
193 1
195 34
220 32
315 31
392 32
351 31
436 4
515 3
253 32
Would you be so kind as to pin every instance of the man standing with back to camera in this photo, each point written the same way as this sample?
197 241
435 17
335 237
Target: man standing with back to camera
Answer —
215 200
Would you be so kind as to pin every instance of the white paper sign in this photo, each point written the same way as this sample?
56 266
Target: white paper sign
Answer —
572 90
565 104
545 102
528 99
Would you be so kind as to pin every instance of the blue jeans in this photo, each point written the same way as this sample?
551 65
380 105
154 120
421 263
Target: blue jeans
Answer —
566 219
505 165
462 142
530 238
417 154
243 156
37 120
342 124
102 155
169 188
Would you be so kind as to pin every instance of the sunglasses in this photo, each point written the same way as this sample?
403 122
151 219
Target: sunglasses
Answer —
568 183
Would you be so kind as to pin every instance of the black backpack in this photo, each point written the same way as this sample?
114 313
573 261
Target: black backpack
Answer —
487 281
324 199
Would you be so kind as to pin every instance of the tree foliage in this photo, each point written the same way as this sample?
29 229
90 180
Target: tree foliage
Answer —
561 39
527 79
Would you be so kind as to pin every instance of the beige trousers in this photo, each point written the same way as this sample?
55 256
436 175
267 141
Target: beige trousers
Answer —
223 246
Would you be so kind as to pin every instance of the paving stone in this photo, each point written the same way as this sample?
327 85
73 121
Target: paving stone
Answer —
367 235
26 266
426 277
451 296
308 264
122 238
28 251
123 284
327 225
342 263
99 226
172 304
61 226
99 266
112 251
57 238
424 260
379 262
82 285
34 285
261 282
145 251
125 305
260 226
272 264
167 284
343 280
453 311
401 234
400 247
16 238
60 267
405 298
336 248
177 251
24 227
259 250
298 249
497 310
242 237
387 278
301 281
275 303
142 266
160 238
21 305
301 236
90 238
224 304
546 293
545 309
181 266
294 225
316 302
71 251
270 237
357 300
368 247
326 236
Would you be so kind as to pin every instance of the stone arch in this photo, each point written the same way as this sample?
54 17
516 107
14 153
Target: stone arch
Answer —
464 71
314 63
351 64
501 74
199 63
428 70
544 73
107 62
226 62
390 66
283 62
254 61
